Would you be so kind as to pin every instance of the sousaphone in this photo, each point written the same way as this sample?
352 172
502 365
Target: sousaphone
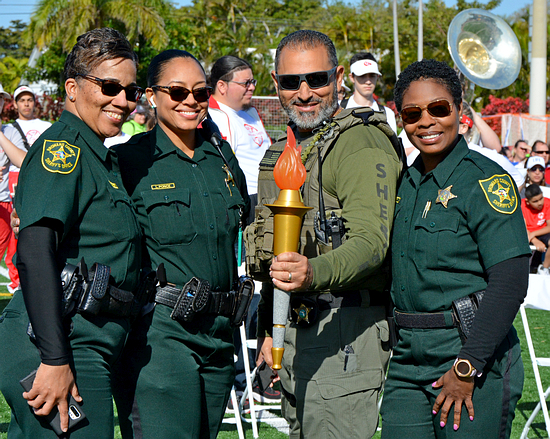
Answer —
484 48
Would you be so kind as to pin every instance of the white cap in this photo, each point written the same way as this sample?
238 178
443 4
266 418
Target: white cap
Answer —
364 66
22 89
345 87
4 94
534 161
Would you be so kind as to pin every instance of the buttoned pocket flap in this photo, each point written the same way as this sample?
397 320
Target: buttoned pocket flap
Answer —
438 222
154 198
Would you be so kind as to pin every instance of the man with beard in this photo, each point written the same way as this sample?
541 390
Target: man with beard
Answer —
336 344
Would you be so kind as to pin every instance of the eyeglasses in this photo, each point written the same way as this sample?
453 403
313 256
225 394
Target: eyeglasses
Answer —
113 88
523 148
179 94
313 79
541 152
439 108
246 84
537 168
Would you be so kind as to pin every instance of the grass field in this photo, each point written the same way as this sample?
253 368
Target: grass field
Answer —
540 329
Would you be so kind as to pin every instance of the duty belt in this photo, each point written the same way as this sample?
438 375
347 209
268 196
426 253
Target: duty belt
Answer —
431 320
195 297
461 316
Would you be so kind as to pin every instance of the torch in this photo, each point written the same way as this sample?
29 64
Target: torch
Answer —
288 211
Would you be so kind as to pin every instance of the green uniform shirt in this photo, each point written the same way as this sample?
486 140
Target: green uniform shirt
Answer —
71 177
440 253
188 213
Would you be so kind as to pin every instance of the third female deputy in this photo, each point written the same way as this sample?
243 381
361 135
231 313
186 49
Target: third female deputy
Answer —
73 207
189 205
458 231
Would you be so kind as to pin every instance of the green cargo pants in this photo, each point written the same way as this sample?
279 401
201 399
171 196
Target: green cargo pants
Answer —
333 372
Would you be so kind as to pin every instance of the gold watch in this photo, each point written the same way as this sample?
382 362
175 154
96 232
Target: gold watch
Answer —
464 369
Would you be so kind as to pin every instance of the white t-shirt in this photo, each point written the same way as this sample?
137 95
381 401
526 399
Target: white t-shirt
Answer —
115 140
13 135
246 134
33 129
390 115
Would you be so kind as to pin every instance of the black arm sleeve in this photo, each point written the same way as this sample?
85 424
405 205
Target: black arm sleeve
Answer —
41 285
506 289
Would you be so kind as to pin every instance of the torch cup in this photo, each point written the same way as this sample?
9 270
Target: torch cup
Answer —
288 211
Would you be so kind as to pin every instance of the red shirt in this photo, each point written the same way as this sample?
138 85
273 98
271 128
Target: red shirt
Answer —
535 219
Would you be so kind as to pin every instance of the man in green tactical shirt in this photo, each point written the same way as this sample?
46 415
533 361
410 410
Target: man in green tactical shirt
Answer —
335 358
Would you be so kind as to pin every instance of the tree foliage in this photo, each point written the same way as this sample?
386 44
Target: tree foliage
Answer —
252 30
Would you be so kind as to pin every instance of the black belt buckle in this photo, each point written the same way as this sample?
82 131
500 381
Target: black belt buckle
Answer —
304 311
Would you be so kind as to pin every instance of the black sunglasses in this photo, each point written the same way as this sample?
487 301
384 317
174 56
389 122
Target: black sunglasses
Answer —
313 79
439 108
179 94
112 88
541 152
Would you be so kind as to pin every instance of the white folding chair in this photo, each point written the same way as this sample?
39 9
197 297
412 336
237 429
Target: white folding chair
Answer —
255 408
538 297
237 412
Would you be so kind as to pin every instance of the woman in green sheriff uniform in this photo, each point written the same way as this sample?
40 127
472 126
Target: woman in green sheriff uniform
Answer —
189 207
72 206
458 230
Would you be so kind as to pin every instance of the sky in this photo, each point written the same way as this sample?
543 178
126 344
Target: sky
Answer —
11 10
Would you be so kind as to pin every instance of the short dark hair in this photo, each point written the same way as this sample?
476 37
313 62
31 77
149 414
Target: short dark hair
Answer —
361 56
95 47
520 141
537 142
225 67
532 191
307 39
158 63
437 71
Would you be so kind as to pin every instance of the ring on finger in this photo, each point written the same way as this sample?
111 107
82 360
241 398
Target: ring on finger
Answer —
289 277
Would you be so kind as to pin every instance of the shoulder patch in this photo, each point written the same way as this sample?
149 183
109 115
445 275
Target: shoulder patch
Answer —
500 193
59 156
270 158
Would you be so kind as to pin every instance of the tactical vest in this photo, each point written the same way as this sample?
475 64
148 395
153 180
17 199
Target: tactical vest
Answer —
259 234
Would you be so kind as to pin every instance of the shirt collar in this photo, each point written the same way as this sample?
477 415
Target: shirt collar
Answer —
79 128
444 169
165 146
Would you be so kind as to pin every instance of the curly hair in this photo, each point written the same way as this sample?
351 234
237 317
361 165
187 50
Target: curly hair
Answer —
426 69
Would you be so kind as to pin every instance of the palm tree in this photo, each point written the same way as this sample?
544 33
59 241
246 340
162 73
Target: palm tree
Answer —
11 71
65 20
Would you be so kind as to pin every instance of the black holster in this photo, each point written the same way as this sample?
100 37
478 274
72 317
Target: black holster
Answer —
243 297
464 312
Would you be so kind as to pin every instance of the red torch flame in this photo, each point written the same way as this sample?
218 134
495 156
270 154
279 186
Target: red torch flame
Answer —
289 172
